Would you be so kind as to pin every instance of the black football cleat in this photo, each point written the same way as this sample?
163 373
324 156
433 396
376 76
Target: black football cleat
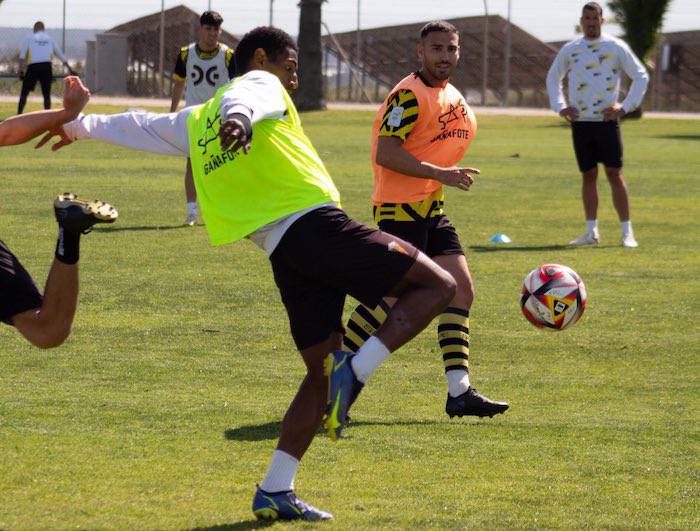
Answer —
75 215
471 403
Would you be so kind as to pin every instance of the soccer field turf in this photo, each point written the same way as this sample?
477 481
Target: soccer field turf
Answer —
164 406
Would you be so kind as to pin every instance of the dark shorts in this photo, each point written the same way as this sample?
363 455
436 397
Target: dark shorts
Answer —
40 72
596 142
18 293
435 236
325 256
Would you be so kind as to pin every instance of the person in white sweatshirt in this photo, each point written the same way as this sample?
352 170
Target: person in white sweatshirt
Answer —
592 64
35 57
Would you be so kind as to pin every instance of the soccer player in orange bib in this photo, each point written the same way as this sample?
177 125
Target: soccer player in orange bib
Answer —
421 131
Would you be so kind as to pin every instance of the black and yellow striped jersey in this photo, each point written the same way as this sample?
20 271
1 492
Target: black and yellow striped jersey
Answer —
180 71
401 115
431 206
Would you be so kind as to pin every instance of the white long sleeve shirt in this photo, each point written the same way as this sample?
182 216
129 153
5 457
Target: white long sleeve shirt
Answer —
593 68
40 48
257 97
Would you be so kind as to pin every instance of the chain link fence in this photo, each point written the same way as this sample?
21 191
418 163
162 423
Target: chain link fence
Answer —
136 56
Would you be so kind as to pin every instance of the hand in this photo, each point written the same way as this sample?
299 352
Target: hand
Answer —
233 136
614 113
63 140
75 96
458 177
569 114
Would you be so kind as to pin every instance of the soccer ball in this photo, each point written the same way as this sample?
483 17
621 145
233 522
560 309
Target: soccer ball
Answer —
553 297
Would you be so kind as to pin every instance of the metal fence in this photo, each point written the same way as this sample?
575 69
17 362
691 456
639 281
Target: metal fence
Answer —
501 63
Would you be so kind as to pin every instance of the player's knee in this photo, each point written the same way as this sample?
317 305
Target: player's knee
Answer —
590 175
614 175
447 287
468 294
52 337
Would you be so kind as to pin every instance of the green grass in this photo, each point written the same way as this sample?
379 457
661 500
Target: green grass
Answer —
162 409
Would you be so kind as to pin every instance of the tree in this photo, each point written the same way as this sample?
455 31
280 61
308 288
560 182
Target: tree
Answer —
309 96
641 21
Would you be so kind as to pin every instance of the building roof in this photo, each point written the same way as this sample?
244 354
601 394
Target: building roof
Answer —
181 25
388 53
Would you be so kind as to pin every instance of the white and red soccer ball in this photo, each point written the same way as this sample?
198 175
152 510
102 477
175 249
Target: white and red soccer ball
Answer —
553 297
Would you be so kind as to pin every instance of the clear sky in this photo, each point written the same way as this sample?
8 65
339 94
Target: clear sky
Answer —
546 19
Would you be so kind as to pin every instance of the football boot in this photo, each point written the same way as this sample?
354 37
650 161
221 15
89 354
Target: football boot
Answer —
285 505
343 388
75 215
471 403
590 238
628 240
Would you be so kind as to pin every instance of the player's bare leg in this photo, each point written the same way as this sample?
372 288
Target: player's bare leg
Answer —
423 292
454 337
299 427
589 194
306 410
50 325
620 197
190 195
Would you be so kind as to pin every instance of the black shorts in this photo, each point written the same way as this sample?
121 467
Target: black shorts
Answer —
435 236
41 72
596 142
18 293
325 256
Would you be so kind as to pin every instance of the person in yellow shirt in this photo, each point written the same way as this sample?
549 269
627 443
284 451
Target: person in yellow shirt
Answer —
420 133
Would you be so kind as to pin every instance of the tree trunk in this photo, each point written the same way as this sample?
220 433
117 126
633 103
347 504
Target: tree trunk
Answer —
309 96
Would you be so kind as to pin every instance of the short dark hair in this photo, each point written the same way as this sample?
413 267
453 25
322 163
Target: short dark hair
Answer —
438 25
211 18
593 6
38 26
273 40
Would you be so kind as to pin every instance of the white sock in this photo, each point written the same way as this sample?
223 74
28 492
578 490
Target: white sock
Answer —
192 208
280 475
626 227
457 382
591 225
369 357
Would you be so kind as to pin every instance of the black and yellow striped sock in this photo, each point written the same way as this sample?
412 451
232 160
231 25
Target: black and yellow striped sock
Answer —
453 335
362 324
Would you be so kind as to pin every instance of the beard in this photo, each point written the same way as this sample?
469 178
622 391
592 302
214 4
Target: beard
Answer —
441 72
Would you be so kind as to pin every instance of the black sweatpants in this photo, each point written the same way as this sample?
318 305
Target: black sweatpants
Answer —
42 73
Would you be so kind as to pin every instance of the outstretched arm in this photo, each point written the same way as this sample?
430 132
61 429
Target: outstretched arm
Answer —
165 134
19 129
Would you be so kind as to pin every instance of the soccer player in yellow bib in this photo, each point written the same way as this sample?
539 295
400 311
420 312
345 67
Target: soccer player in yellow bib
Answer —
420 133
258 177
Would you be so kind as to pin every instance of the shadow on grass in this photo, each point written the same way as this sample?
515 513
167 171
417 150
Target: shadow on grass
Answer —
143 228
271 430
247 524
254 432
679 137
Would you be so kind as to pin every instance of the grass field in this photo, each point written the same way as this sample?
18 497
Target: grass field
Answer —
163 408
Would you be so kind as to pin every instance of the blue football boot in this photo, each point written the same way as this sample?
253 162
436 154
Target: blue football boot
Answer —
285 506
343 388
